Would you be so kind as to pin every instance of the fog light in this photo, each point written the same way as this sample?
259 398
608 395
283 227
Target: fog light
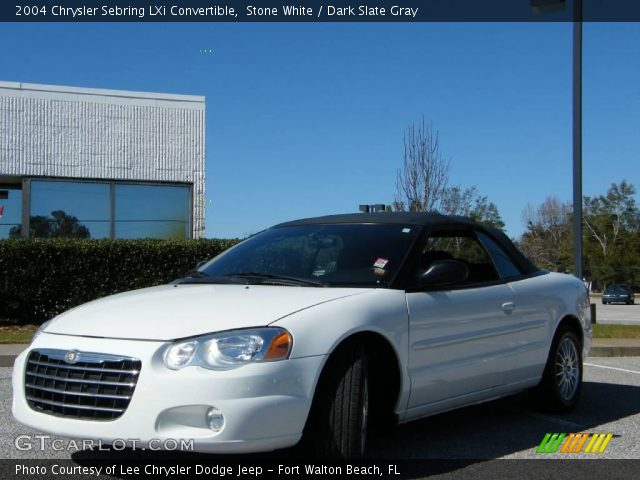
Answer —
215 419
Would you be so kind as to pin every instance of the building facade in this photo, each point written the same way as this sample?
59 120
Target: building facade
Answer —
95 163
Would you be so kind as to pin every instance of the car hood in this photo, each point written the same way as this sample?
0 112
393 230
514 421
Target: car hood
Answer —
169 312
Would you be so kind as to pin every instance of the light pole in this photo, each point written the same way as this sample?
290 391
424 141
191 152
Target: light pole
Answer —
541 6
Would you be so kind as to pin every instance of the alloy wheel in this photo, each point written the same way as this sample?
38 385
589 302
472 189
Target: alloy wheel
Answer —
567 369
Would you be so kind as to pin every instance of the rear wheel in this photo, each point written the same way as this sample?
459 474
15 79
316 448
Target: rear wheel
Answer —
339 419
561 385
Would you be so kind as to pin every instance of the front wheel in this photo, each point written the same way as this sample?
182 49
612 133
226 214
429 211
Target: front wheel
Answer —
339 418
561 385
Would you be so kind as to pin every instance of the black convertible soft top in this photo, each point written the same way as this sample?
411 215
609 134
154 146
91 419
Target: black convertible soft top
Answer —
426 220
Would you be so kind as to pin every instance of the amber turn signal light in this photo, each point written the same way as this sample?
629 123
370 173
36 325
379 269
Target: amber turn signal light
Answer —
279 348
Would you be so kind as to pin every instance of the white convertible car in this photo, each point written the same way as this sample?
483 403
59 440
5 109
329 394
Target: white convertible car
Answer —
312 330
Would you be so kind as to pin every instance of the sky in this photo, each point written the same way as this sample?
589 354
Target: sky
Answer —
308 119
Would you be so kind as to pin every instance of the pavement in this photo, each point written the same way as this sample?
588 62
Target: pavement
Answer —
510 429
600 347
9 352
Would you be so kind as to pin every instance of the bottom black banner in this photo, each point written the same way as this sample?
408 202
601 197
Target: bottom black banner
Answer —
243 468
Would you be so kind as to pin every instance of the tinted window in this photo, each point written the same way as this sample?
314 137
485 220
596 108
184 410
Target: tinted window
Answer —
69 209
501 259
459 247
10 212
618 288
348 255
151 211
84 210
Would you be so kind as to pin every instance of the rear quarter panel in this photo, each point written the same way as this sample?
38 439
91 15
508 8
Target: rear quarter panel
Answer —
550 297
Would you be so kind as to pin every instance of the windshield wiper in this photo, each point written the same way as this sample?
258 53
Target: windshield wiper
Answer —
202 279
271 276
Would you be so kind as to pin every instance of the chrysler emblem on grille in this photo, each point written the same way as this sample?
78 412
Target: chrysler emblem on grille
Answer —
71 357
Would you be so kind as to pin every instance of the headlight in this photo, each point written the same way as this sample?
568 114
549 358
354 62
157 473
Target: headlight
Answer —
40 329
230 349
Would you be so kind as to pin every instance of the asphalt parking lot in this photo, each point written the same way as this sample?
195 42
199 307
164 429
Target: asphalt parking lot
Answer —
617 313
502 429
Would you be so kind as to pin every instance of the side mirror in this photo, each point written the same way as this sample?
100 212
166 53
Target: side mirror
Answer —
444 272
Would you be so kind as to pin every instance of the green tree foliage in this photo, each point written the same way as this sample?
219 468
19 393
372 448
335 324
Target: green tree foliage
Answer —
469 203
40 278
612 242
59 224
611 236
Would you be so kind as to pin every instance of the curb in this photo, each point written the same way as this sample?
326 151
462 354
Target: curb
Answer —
7 360
610 351
9 352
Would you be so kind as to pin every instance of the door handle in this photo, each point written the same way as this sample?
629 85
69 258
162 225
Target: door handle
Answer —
508 307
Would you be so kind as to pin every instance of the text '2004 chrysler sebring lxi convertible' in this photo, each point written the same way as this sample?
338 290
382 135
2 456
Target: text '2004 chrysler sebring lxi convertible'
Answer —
311 330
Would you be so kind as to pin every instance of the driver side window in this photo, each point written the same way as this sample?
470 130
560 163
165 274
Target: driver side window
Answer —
462 247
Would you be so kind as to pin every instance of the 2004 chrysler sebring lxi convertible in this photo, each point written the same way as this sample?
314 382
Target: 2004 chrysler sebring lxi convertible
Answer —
312 330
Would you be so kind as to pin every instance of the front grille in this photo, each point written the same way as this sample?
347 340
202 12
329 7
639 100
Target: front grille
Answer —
95 386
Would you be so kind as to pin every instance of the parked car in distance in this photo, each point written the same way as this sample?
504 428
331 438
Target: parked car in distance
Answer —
618 293
311 331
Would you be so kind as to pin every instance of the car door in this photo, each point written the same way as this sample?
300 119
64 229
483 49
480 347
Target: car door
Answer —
533 316
461 337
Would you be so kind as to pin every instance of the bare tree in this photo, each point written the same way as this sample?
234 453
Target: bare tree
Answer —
422 181
547 238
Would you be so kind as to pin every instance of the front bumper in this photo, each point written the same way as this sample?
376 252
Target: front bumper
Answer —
265 405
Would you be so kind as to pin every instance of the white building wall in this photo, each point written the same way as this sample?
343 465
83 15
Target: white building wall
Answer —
104 134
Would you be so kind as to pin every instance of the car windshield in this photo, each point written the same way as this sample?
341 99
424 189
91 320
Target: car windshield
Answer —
618 288
358 255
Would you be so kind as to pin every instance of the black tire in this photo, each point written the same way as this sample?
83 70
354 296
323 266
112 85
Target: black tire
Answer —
561 385
603 302
338 422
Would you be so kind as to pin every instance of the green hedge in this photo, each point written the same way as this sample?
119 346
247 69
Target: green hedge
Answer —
41 278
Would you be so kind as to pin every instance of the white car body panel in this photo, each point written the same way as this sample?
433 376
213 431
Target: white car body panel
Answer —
169 312
254 399
319 330
466 334
453 348
550 298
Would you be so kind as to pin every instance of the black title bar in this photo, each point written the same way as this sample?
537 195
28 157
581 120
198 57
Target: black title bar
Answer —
319 11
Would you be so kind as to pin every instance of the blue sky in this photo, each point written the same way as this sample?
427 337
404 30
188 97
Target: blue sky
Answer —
307 119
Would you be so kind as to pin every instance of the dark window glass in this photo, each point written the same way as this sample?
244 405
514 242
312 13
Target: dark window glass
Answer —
69 209
357 255
10 212
501 259
151 211
461 247
618 288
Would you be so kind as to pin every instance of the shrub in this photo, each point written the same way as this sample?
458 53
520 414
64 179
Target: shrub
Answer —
40 278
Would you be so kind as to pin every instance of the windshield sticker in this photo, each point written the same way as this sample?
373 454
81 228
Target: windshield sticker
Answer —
406 230
380 262
379 271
